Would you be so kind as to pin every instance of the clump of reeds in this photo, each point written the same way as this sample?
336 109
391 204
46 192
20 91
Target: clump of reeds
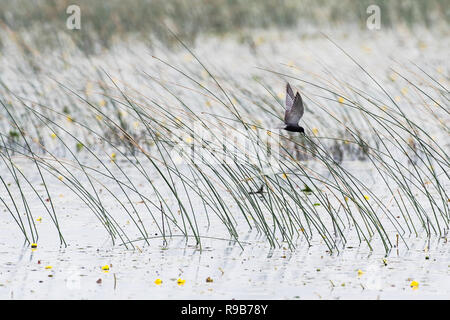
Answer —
198 166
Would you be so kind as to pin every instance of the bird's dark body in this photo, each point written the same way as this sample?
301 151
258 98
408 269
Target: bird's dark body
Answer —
294 129
294 111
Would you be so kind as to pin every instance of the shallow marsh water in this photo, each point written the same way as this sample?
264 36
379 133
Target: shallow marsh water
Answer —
254 271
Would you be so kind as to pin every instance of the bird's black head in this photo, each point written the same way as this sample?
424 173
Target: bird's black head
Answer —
294 129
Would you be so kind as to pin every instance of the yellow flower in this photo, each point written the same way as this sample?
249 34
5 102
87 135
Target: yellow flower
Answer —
284 175
48 267
208 104
414 285
34 245
188 140
254 127
88 88
360 272
393 76
39 219
60 178
341 100
53 135
105 268
269 133
346 199
366 197
102 103
158 281
315 131
181 281
113 156
69 118
188 57
384 108
404 91
367 49
260 40
99 117
123 113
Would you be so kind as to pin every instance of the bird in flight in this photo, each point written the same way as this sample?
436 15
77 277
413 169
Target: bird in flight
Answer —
294 111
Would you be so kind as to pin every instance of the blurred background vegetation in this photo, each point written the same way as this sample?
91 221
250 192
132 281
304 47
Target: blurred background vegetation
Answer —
103 22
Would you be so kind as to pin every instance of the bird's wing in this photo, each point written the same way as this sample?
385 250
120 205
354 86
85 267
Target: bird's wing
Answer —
289 96
294 113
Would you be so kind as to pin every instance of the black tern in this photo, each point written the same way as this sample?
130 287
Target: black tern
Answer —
294 111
